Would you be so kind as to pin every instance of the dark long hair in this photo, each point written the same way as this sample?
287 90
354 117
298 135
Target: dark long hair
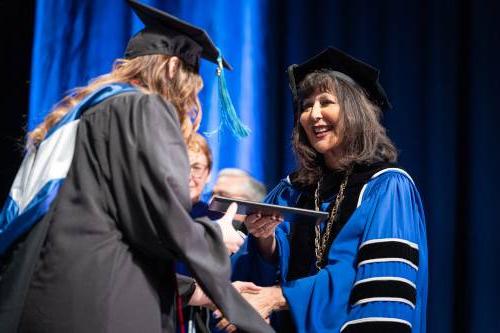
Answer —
363 140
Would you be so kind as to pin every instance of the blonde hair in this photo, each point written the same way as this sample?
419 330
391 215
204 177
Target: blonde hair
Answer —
149 74
196 144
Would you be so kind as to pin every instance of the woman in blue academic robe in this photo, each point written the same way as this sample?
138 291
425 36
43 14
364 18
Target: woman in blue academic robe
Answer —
364 269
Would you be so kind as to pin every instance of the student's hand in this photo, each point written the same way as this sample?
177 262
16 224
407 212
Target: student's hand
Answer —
267 300
246 287
262 226
199 298
233 238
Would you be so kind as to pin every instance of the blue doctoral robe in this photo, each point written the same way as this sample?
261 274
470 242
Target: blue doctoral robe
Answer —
375 278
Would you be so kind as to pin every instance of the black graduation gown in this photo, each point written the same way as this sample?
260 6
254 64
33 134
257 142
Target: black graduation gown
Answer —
104 260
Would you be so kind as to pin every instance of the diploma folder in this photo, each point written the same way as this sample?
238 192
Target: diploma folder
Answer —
245 207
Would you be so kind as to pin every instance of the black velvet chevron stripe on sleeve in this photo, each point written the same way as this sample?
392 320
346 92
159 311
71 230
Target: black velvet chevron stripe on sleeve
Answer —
384 289
376 325
384 250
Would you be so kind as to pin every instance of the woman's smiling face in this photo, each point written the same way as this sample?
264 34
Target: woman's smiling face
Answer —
319 118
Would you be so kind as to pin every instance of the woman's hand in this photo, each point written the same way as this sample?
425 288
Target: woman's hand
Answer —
267 300
262 226
233 239
242 287
199 298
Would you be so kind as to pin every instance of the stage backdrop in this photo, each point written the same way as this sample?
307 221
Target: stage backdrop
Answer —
439 63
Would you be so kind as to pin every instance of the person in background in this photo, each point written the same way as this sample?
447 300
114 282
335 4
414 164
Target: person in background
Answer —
365 268
200 159
99 210
238 184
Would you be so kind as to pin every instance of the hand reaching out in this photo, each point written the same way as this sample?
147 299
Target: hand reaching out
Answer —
265 301
233 239
199 298
262 226
246 287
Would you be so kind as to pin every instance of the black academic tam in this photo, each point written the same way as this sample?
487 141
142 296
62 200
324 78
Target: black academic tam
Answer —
166 34
363 74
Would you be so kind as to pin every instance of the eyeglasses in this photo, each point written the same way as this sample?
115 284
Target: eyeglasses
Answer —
198 170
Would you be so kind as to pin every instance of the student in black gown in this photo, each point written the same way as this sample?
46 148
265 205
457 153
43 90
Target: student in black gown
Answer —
102 258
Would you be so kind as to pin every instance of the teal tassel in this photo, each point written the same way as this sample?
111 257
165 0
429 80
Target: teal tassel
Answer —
229 118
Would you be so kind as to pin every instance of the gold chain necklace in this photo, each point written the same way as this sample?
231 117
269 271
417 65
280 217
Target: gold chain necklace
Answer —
320 243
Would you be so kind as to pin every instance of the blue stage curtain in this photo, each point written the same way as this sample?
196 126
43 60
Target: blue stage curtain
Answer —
76 41
439 63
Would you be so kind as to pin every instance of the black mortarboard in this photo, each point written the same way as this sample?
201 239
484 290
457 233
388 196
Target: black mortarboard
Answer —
166 34
333 59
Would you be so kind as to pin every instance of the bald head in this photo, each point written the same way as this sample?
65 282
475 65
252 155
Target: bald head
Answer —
237 184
